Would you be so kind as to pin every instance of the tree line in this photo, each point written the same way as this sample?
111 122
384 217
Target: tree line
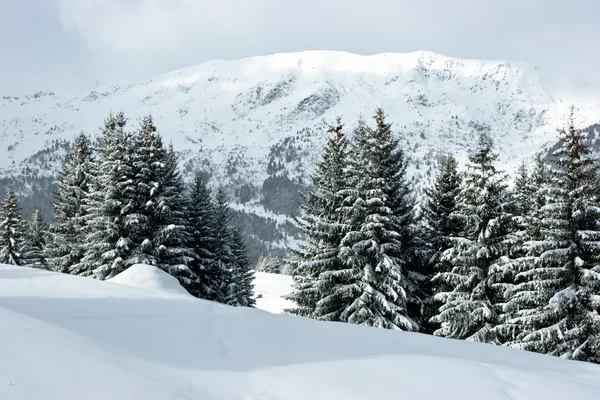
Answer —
476 259
120 201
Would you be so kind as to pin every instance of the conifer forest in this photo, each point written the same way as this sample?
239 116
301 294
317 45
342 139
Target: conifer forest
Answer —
481 256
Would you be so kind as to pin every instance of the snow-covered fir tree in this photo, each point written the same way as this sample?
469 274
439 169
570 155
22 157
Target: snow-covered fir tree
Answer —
241 288
148 166
470 303
376 247
11 230
201 214
172 230
223 255
554 303
34 241
107 245
440 225
269 264
321 279
65 244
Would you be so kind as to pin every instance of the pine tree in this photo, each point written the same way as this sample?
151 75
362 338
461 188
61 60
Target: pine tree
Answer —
201 214
172 235
554 303
65 244
440 226
34 241
321 279
11 230
148 168
269 264
241 289
376 246
107 245
222 251
470 309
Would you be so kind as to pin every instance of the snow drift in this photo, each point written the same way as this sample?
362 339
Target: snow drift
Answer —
150 278
66 337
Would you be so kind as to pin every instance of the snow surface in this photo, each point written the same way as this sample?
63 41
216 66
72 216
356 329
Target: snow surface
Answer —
270 289
72 338
150 278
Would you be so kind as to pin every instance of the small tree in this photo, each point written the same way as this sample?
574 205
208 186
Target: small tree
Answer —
11 231
34 241
241 289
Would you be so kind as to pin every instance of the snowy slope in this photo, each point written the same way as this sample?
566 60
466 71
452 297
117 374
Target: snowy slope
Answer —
71 338
270 290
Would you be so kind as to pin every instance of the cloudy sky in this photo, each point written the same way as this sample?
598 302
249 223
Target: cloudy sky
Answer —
69 45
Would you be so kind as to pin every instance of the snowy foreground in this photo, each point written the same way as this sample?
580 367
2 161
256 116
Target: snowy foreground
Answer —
140 337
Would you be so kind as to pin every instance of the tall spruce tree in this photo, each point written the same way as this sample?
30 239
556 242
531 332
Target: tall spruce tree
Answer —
376 248
321 279
201 216
241 289
65 244
148 168
470 304
440 225
107 244
11 230
172 235
34 241
554 303
223 255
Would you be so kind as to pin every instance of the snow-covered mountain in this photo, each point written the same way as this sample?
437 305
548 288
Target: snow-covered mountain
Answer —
257 124
68 337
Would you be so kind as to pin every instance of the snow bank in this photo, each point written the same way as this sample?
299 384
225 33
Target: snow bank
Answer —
65 337
148 277
270 289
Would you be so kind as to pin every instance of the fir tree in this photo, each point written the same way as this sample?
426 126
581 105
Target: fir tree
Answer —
440 225
241 289
107 244
320 278
201 214
148 168
172 233
11 231
470 309
34 241
376 247
65 244
223 256
554 303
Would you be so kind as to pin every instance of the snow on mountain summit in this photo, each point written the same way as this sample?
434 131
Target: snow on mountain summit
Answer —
257 124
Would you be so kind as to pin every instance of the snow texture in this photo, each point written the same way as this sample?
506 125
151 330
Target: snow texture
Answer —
151 278
68 337
270 289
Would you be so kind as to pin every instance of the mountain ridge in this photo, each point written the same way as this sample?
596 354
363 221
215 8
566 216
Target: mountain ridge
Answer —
257 124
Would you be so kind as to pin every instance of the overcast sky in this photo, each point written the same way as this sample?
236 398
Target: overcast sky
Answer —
69 45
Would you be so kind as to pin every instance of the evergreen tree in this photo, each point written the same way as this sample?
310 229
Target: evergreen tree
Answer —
65 244
107 244
148 168
376 246
172 233
554 302
34 241
11 230
241 289
269 264
223 255
470 309
201 214
440 226
320 277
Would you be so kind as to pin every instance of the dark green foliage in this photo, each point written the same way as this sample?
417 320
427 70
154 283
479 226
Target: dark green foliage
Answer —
35 238
11 230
